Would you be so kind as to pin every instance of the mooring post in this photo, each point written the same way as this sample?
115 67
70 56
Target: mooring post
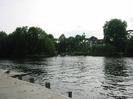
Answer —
47 85
70 94
7 71
32 80
20 77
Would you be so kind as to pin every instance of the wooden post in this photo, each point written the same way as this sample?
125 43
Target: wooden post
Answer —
32 80
47 85
7 72
20 77
70 94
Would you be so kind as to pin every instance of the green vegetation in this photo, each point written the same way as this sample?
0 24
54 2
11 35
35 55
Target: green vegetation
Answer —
77 45
25 42
33 41
116 42
115 34
129 50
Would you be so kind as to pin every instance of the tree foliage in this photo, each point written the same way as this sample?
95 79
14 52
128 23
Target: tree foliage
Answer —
129 50
3 41
73 45
115 34
26 41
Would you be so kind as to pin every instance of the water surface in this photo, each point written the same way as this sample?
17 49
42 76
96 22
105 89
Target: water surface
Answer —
87 77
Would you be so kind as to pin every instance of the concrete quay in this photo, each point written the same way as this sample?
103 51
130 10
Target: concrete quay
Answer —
12 88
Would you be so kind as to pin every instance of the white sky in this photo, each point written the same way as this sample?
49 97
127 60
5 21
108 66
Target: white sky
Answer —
69 17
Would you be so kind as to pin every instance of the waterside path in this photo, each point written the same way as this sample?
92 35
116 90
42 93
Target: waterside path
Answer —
12 88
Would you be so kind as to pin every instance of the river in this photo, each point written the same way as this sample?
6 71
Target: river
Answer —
87 77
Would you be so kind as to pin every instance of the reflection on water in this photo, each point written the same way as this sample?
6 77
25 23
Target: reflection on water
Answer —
115 74
115 66
87 77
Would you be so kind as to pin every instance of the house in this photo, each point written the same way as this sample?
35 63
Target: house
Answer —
130 33
94 41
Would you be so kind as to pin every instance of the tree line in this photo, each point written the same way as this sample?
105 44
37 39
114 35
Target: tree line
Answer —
116 42
25 42
77 45
33 41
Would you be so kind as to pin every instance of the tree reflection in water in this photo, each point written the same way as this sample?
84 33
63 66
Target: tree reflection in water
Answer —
115 75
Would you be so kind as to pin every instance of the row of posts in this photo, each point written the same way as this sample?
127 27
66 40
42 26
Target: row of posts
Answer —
47 85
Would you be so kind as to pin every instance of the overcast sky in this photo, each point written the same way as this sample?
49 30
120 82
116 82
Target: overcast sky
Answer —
67 17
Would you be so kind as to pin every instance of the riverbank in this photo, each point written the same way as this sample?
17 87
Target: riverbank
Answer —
12 88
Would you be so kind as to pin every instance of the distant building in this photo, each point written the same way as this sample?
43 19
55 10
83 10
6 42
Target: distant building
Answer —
94 41
130 33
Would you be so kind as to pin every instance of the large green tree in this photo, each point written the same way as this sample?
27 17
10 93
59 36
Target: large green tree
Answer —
115 34
3 41
26 41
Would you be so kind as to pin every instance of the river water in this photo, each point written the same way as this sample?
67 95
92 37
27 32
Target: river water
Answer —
87 77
